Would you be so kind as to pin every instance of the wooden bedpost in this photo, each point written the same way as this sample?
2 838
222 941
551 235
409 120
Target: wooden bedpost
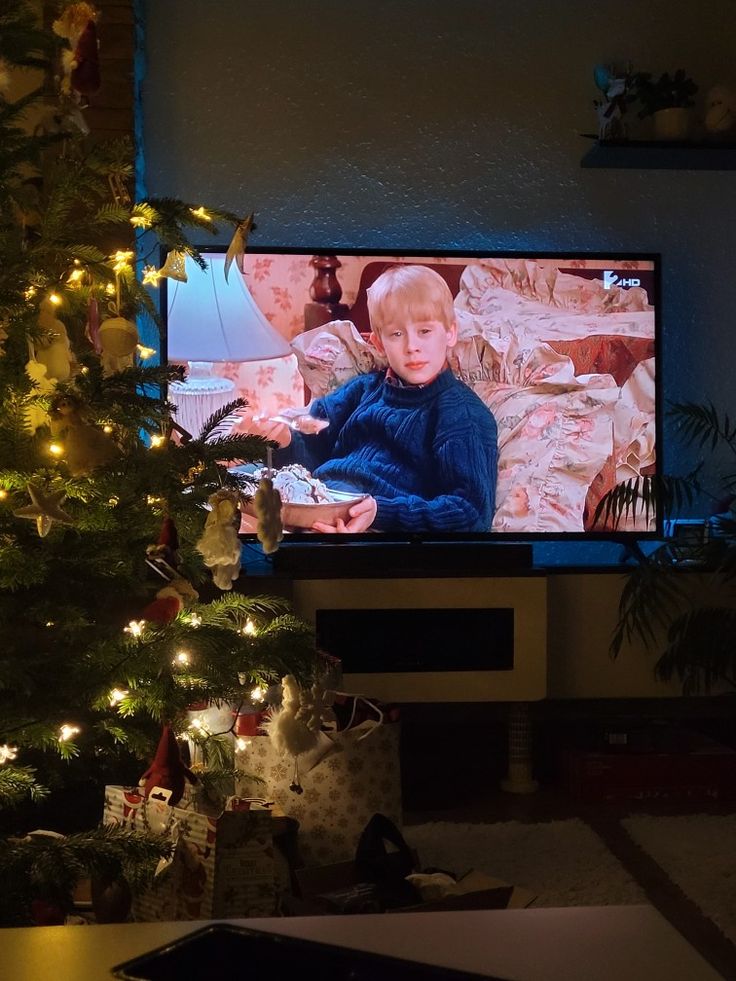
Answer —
326 293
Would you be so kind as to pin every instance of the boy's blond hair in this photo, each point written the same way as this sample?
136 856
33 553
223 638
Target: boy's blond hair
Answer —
409 293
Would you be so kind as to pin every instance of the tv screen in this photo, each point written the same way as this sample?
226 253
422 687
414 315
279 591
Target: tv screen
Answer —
444 395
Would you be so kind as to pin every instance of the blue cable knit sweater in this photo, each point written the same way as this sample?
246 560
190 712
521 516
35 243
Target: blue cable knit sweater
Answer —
427 454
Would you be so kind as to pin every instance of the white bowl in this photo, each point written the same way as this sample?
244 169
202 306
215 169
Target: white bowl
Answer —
295 515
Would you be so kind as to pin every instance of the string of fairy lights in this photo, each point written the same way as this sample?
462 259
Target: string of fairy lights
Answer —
182 659
122 263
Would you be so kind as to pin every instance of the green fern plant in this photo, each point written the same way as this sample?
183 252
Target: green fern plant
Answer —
684 591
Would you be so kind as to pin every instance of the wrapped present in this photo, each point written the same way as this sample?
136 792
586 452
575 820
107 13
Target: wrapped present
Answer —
222 864
347 777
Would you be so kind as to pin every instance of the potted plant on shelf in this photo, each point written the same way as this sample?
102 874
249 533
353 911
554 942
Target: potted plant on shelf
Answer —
668 99
681 597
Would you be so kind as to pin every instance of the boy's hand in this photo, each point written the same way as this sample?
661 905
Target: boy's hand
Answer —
362 516
264 426
301 421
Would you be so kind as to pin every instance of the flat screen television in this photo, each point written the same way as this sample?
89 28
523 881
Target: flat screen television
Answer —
542 398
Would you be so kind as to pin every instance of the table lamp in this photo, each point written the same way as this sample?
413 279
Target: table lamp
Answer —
211 319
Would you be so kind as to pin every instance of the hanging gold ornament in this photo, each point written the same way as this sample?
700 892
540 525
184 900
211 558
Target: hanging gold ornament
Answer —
44 509
53 350
238 243
118 340
174 267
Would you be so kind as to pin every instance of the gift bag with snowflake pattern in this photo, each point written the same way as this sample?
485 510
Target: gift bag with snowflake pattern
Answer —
356 774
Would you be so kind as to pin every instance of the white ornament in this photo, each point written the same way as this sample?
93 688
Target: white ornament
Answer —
118 340
35 414
315 708
53 350
290 733
219 545
44 509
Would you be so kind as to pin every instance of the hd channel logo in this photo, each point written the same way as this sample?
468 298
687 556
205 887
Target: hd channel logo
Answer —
610 278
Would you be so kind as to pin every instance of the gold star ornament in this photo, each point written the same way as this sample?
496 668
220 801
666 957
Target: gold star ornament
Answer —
44 509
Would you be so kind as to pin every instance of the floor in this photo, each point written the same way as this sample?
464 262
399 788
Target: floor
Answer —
472 794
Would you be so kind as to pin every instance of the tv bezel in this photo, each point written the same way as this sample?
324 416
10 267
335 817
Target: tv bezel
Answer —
491 537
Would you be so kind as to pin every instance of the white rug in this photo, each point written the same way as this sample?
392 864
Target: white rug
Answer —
698 853
564 863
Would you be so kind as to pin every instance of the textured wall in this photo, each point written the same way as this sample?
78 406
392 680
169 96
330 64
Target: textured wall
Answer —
412 123
431 124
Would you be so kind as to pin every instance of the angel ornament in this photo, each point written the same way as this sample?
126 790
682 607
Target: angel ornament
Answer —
219 544
295 725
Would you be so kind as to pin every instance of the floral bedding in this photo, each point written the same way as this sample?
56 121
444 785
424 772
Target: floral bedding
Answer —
567 433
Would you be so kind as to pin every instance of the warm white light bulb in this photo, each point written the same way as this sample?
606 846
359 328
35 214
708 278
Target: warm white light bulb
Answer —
121 261
7 753
195 620
258 694
249 629
67 732
151 276
241 744
55 299
157 440
135 628
56 449
181 659
117 695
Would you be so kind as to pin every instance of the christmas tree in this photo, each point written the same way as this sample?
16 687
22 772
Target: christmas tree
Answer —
111 624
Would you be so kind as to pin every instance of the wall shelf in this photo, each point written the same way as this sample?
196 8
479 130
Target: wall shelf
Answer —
640 154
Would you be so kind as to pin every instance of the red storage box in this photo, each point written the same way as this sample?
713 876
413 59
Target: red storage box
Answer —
695 770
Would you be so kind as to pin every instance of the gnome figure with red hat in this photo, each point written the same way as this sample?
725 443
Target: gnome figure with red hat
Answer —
178 592
167 769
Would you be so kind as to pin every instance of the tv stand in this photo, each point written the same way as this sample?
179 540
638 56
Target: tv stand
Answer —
369 559
433 638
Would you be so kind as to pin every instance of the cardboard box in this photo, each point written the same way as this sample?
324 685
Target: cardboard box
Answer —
338 888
